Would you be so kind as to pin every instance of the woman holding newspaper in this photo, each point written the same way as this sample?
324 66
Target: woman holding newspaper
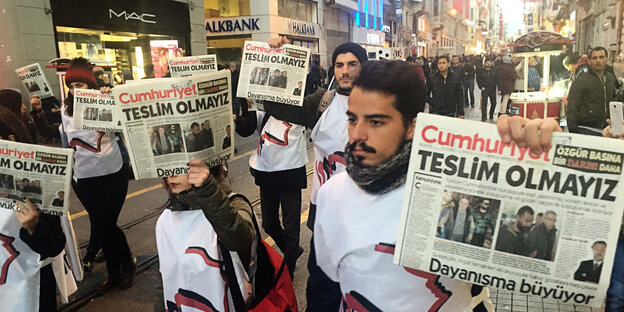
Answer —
31 239
100 181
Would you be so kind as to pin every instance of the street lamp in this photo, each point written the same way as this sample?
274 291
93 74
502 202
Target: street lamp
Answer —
453 12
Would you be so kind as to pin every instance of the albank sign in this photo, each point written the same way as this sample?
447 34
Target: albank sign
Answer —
244 24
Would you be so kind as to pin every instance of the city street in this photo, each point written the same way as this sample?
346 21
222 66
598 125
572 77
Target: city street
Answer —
141 210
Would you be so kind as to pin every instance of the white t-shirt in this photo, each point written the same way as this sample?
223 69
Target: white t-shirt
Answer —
330 137
354 237
19 268
191 263
97 153
281 146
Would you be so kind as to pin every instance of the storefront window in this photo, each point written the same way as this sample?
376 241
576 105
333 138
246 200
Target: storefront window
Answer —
227 49
222 8
127 54
303 10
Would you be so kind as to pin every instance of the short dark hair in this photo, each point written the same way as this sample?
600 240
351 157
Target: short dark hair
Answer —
594 49
540 214
599 242
193 125
444 57
525 209
399 79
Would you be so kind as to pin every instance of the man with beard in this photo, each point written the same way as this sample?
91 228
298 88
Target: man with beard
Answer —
511 238
483 221
542 237
324 113
192 139
590 270
359 210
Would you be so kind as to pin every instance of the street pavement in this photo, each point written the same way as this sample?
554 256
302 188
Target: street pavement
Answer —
143 205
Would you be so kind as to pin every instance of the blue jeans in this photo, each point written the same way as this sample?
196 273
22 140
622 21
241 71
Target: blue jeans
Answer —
615 294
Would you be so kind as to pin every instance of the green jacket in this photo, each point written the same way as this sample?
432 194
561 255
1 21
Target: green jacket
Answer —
588 100
482 221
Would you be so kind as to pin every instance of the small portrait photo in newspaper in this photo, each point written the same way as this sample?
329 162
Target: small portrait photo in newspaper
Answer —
90 113
278 79
468 219
29 188
298 89
166 139
198 135
259 76
58 201
529 231
589 270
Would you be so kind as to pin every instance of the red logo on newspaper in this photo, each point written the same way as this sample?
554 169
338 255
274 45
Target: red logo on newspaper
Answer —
158 94
431 134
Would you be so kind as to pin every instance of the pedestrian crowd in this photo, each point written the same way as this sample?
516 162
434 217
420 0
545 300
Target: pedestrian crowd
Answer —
362 127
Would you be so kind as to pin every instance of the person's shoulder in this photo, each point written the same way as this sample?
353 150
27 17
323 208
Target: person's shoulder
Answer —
337 184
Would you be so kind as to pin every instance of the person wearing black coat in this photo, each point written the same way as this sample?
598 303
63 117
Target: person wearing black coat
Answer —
444 91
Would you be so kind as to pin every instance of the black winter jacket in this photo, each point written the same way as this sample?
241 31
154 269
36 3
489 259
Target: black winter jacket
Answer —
487 79
588 100
448 94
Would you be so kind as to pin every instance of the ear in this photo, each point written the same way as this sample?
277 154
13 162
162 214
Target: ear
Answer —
410 129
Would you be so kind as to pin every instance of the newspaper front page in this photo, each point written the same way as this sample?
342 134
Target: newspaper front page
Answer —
95 111
189 65
277 75
34 80
39 173
491 213
169 121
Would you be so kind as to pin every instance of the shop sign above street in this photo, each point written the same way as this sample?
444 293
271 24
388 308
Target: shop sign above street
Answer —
144 18
229 25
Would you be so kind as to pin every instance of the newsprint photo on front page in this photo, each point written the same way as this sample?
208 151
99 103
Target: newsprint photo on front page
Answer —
492 213
169 121
277 75
95 111
34 80
39 173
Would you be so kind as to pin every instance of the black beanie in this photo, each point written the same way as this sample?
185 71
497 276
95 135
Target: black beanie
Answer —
354 48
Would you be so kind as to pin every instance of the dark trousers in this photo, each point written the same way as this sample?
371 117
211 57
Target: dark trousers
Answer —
485 94
103 198
322 294
286 237
469 92
477 239
94 243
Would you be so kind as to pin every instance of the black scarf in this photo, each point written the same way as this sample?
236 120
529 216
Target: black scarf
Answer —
383 177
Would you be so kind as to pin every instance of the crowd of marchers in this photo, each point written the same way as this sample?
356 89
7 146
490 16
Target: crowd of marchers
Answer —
361 130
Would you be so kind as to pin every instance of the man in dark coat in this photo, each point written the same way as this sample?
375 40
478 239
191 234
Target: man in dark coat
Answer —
511 237
542 237
506 75
589 270
486 80
444 91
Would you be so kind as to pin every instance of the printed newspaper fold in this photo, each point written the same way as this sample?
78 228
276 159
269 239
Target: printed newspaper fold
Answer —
189 65
277 75
491 213
95 111
34 80
39 173
169 121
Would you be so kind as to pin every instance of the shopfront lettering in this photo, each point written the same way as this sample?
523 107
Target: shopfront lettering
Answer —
232 25
144 18
301 28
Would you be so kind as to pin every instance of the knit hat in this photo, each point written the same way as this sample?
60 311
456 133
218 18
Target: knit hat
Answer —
507 59
354 48
80 71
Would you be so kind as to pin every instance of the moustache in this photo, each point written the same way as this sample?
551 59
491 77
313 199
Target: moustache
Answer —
362 146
